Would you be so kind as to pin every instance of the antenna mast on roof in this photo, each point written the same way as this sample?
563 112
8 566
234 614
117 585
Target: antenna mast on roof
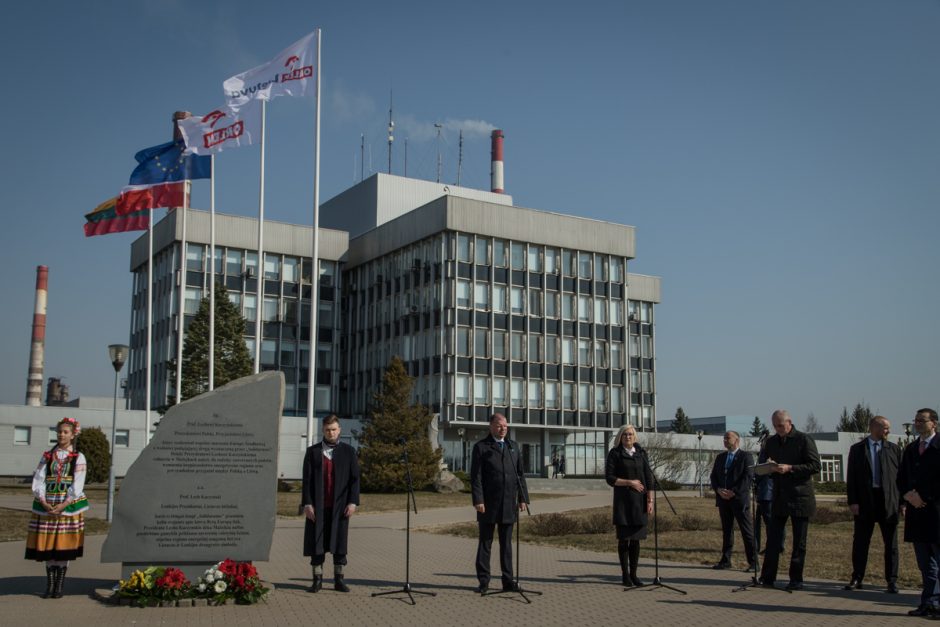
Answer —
362 156
459 157
438 127
391 131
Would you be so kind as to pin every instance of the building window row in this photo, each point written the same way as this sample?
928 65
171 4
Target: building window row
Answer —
519 393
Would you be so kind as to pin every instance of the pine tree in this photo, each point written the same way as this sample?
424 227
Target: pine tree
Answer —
93 444
681 424
232 360
857 421
812 426
758 429
392 418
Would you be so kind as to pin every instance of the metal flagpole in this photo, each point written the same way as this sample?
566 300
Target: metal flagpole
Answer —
182 297
315 267
258 307
211 272
149 318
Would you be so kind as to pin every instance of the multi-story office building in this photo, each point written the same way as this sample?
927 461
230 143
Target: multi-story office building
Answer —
492 307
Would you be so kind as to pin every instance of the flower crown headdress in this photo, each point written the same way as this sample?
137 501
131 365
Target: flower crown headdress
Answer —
71 422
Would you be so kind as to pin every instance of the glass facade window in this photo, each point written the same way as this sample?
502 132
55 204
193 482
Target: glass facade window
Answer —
551 305
535 345
600 353
464 250
551 395
272 267
481 343
616 270
251 263
499 299
567 351
646 312
600 311
195 254
551 260
463 293
635 381
53 436
463 341
219 260
269 309
535 258
290 270
21 436
646 346
535 394
584 396
551 350
233 262
584 352
830 468
584 265
517 392
269 352
482 256
193 298
600 268
535 303
481 391
516 344
600 398
462 389
481 293
517 301
568 259
517 258
616 355
288 353
567 306
633 311
584 308
616 312
500 253
499 344
616 399
122 438
499 392
567 395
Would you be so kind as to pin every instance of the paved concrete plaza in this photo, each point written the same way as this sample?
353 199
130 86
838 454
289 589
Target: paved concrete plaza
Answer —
580 587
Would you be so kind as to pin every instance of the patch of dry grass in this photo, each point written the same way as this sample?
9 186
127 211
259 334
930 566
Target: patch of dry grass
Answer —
828 554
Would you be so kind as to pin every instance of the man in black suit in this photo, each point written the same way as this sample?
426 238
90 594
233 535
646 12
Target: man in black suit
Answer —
330 497
919 485
795 460
499 493
872 494
731 480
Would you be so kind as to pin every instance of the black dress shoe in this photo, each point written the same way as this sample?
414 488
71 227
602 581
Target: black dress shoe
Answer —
794 585
636 581
766 584
722 566
510 586
854 584
317 584
480 589
892 588
339 585
920 610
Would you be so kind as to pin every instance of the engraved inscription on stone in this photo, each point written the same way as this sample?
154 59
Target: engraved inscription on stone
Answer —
205 487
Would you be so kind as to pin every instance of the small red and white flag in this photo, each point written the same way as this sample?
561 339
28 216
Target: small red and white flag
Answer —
134 198
290 73
220 129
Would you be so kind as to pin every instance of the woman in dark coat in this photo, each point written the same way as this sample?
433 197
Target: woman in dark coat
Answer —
628 472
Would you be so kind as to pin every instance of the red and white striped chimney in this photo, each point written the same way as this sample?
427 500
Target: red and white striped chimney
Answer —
496 166
38 347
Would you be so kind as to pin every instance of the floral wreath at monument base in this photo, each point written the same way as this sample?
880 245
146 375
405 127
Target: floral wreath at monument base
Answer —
167 586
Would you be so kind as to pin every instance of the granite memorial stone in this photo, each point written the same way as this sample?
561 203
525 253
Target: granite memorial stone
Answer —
205 488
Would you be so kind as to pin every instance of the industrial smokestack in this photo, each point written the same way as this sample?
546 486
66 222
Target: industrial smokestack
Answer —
38 347
496 167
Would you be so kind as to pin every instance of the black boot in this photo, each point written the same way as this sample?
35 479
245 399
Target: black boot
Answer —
622 554
50 581
338 584
317 584
634 559
59 581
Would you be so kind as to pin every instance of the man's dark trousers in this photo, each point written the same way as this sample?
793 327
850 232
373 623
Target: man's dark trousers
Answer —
505 552
778 525
864 527
729 511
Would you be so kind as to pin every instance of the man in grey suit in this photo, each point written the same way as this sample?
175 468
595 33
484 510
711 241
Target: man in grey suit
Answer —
872 494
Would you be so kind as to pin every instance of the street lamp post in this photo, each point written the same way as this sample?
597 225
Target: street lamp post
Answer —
698 469
118 355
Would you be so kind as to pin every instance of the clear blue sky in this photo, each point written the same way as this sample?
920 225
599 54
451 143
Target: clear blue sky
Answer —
780 160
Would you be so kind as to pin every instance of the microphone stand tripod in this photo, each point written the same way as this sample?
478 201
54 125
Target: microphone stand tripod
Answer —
409 504
657 580
519 492
754 514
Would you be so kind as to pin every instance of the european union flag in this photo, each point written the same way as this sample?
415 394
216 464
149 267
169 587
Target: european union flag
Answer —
166 163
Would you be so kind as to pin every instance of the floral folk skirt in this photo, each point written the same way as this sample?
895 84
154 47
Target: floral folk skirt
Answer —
55 537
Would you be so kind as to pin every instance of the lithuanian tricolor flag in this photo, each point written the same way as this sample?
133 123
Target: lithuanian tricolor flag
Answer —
104 220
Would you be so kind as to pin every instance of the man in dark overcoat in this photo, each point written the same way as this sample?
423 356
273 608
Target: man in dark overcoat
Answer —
919 486
871 486
795 460
330 498
499 492
731 480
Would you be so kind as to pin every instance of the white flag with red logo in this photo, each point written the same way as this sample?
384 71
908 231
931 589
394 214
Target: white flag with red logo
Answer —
223 128
290 73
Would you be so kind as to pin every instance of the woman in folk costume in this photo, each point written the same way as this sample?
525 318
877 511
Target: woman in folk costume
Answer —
57 528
